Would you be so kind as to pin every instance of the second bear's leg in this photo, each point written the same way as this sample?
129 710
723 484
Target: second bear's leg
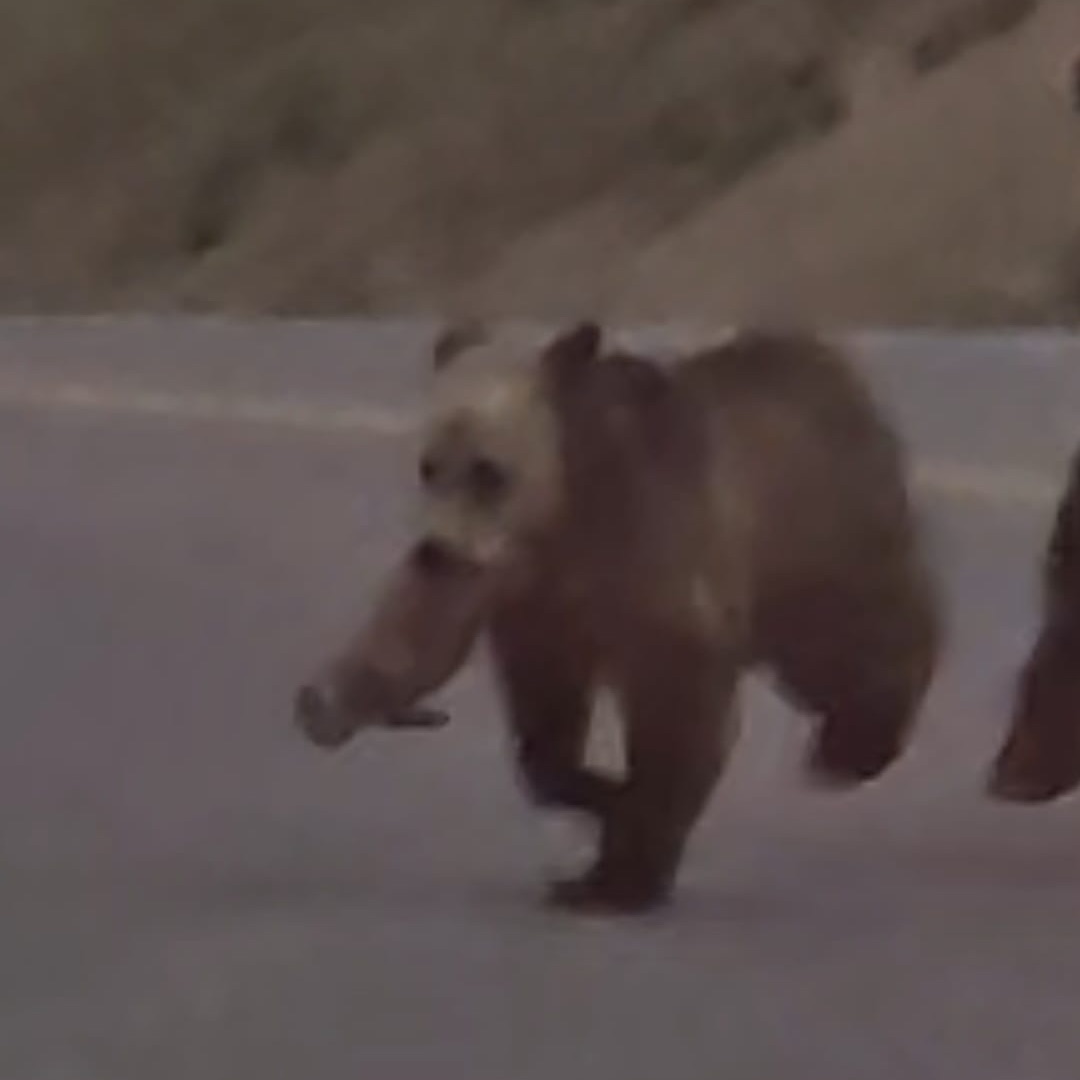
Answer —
1040 757
679 723
545 672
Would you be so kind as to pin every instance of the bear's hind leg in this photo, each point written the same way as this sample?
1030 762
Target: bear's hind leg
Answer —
1039 759
864 667
680 727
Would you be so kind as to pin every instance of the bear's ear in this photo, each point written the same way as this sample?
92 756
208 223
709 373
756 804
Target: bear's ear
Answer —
455 339
572 351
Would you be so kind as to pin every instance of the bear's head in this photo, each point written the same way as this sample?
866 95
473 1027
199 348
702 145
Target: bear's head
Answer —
491 469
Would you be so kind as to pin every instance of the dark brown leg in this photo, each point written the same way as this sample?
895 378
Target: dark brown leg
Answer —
1040 757
678 712
863 664
545 672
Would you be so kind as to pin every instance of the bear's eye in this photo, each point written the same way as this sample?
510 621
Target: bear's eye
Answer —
488 480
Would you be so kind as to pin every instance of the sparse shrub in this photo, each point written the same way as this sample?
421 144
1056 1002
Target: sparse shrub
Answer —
963 28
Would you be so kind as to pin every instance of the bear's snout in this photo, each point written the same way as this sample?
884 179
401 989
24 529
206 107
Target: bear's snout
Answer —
438 557
434 556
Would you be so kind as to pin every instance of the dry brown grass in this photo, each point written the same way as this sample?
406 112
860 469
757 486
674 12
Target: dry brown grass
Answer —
330 156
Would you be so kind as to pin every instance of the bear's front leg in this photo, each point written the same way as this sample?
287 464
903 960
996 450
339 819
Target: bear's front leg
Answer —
545 671
678 710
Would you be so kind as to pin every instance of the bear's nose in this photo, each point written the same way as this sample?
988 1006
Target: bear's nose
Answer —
435 556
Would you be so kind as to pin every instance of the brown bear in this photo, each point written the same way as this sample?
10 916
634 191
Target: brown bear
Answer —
656 529
1039 759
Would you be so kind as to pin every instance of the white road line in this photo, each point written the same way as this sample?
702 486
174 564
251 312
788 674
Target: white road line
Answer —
954 480
278 412
977 483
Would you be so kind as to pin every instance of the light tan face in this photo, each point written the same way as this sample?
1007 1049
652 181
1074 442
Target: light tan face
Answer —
489 469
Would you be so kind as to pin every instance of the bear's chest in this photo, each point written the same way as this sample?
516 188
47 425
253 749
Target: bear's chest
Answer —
623 614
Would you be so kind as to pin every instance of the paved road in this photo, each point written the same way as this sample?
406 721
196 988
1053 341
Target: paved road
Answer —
191 513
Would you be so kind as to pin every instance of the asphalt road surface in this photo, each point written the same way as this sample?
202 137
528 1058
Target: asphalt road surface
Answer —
191 514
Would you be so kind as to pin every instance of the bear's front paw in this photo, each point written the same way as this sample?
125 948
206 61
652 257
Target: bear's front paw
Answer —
599 894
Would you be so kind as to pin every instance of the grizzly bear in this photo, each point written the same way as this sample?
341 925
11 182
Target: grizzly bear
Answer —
1039 759
657 530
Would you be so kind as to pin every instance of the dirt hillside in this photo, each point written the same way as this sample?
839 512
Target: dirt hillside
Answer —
852 160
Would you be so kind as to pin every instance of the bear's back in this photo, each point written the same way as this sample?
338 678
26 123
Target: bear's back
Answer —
760 376
801 445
